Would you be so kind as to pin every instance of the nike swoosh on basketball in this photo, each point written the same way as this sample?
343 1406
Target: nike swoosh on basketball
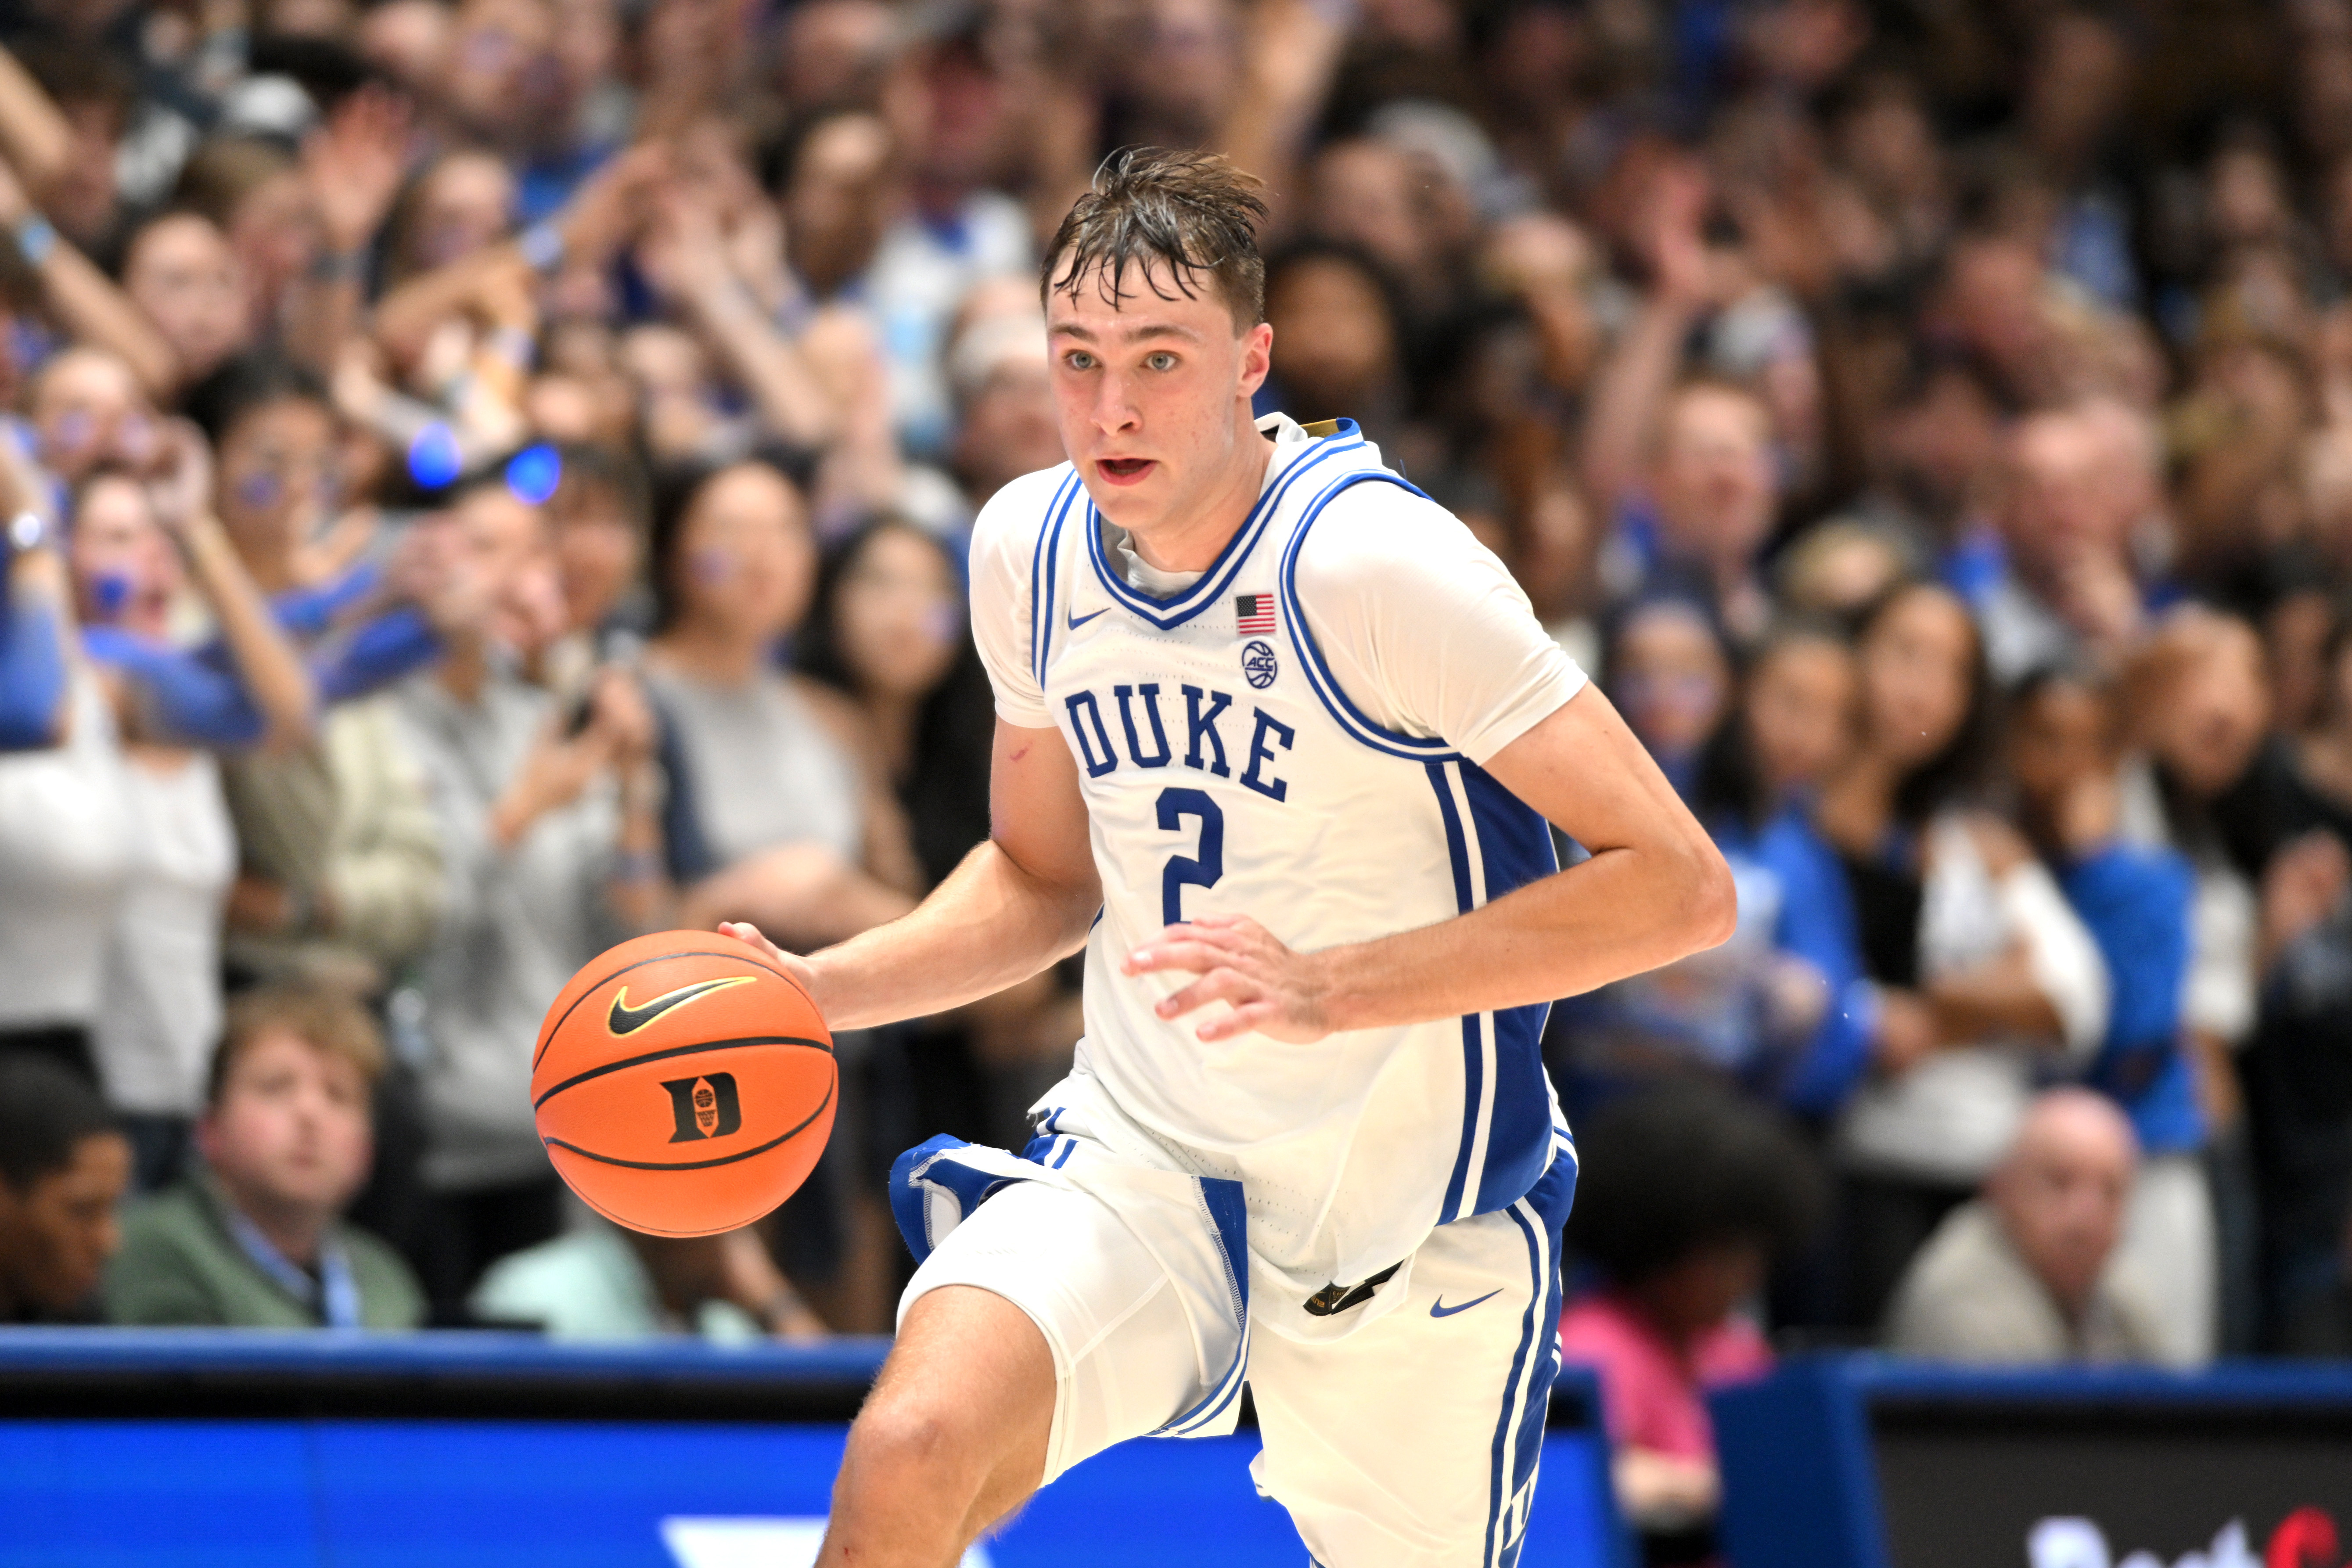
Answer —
1077 620
626 1020
1438 1309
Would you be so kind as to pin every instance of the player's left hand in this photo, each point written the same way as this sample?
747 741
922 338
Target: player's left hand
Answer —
1271 990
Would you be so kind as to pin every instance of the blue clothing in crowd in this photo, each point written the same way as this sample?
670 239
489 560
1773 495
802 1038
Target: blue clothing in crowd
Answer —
196 696
1815 922
32 677
2136 900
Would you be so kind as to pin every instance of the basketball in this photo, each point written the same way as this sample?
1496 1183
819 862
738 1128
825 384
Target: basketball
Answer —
683 1084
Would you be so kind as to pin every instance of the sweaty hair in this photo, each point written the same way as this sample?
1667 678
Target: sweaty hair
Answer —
46 1110
1668 1171
323 1019
1159 210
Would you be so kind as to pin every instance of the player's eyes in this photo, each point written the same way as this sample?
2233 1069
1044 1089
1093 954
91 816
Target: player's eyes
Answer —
1161 361
1079 359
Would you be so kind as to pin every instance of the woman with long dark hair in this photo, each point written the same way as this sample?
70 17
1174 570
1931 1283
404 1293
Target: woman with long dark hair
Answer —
1984 975
888 631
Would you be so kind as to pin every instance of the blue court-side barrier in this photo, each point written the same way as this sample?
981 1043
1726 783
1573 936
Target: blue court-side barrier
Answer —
1869 1462
264 1450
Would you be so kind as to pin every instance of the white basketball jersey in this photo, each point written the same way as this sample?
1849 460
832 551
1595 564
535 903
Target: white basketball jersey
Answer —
1224 771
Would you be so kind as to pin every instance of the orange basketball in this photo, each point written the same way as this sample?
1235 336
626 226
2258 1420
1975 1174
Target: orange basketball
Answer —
683 1085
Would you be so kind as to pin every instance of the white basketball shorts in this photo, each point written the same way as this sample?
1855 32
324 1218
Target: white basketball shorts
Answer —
1411 1443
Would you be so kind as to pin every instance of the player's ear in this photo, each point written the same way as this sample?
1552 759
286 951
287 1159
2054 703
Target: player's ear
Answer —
1258 357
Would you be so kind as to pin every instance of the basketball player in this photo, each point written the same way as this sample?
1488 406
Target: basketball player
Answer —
1276 741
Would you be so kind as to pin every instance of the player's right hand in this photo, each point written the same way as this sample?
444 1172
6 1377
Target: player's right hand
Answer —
792 963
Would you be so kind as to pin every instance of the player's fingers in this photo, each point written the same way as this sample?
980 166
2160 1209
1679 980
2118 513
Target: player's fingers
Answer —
1217 986
1185 952
744 931
1242 1020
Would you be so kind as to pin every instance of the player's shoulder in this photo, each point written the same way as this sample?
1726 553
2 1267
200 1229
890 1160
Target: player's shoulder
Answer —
1374 534
1017 513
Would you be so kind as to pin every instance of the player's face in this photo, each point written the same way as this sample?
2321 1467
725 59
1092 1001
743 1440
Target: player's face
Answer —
1152 395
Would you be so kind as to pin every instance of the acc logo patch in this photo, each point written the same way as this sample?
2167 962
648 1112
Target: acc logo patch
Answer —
1258 664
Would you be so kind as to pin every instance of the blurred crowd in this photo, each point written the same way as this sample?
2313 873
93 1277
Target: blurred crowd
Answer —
490 477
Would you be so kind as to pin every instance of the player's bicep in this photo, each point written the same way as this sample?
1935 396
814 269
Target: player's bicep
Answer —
1582 768
1035 814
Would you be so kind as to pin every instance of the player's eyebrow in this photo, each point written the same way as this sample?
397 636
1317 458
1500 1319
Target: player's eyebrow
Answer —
1135 335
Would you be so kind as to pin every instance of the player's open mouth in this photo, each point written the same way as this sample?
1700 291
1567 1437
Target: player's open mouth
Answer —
1123 470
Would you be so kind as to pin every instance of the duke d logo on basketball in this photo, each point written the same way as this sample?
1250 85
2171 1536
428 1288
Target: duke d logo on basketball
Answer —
705 1107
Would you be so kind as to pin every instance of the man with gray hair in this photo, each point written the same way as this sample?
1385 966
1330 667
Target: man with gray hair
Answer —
2025 1273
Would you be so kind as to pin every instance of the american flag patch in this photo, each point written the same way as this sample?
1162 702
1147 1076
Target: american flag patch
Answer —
1255 614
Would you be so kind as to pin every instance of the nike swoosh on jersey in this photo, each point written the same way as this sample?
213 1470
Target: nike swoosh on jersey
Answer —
1077 620
1438 1309
625 1019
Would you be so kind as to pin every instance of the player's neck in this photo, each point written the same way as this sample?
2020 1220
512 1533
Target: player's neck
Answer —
1190 536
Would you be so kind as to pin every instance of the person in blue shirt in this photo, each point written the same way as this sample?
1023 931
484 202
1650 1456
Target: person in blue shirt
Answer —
1785 1008
2064 753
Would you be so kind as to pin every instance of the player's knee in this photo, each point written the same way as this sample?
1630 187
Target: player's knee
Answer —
901 1434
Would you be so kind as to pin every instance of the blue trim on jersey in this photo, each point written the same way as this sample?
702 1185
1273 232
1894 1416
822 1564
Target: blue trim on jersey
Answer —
1515 845
1174 610
1046 560
1358 724
1515 848
1229 1212
1473 1067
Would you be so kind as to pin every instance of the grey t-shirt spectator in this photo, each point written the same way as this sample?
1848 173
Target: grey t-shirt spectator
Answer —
751 767
514 927
1970 1297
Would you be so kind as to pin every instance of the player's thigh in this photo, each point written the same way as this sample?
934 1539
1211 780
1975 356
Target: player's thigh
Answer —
1123 1353
1413 1443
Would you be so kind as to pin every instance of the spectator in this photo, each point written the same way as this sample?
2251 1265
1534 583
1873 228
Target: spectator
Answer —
255 1238
63 1169
1684 1197
2026 1272
553 853
339 871
1961 927
2136 900
2078 483
888 631
602 1282
162 958
773 817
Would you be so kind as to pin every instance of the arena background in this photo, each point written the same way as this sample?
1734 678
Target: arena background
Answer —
489 477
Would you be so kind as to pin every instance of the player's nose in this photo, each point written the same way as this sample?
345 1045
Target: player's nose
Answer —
1115 410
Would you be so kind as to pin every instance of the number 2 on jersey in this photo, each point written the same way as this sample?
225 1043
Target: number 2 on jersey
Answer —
1205 864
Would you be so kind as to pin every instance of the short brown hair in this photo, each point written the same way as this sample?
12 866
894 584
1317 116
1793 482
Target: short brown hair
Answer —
1193 212
326 1020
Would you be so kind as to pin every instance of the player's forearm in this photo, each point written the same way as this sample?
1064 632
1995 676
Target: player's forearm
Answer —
1617 914
990 925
